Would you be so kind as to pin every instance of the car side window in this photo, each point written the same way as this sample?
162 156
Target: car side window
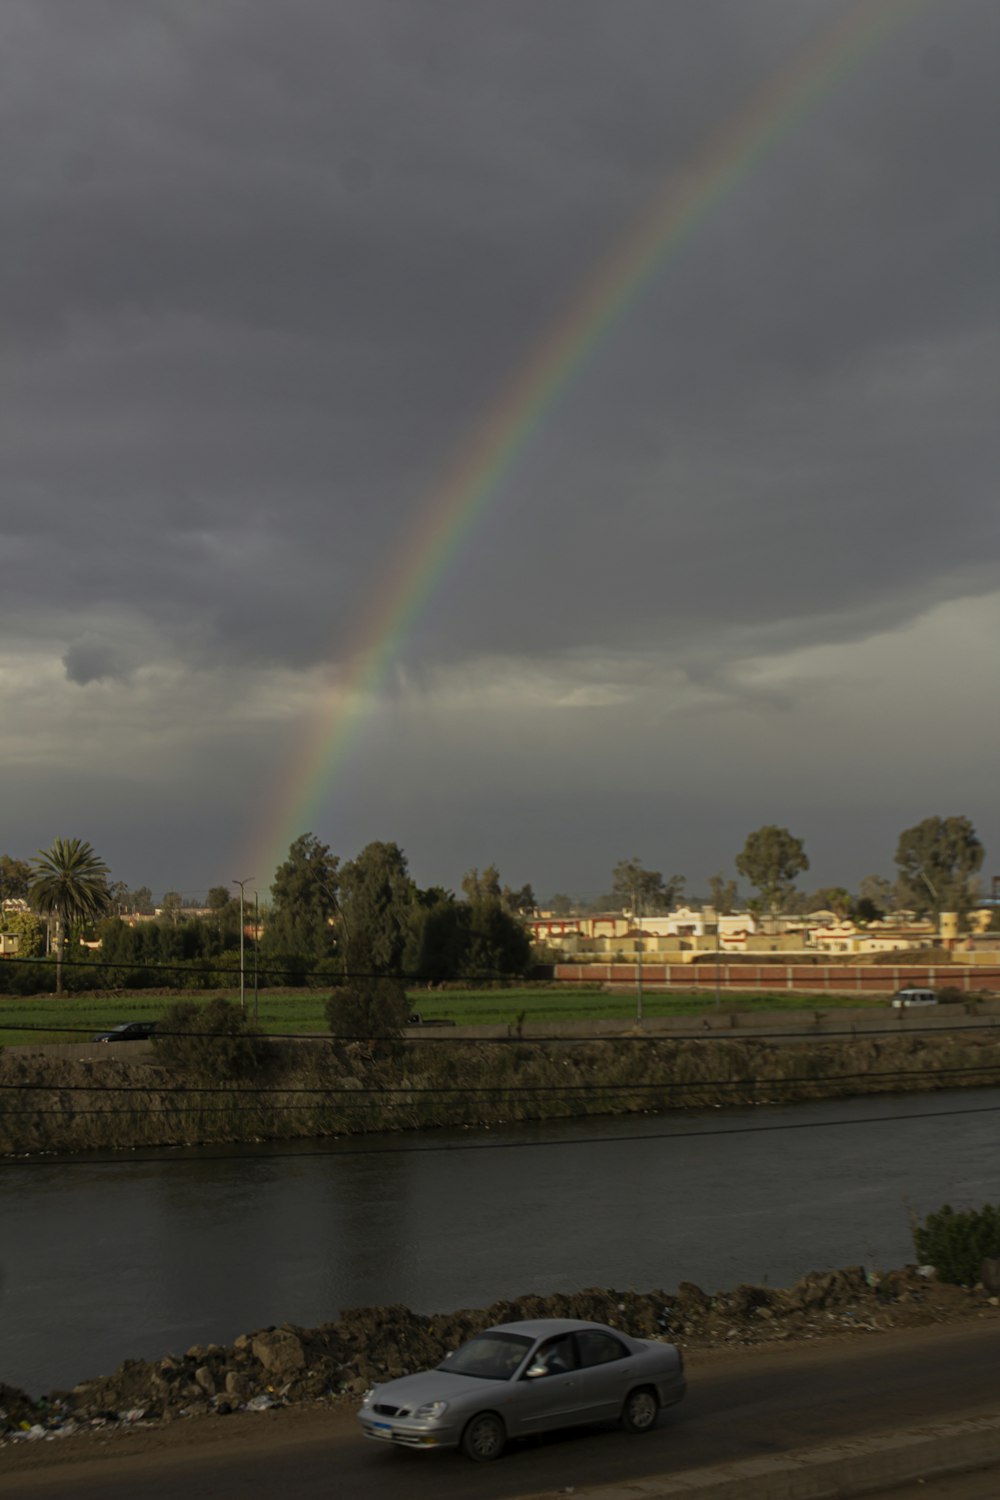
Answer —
598 1348
558 1355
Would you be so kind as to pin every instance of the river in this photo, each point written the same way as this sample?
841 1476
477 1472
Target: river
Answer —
141 1254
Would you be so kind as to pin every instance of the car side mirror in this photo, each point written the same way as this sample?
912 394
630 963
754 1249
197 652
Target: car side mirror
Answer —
534 1371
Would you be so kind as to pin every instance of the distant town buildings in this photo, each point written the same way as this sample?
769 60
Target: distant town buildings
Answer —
689 934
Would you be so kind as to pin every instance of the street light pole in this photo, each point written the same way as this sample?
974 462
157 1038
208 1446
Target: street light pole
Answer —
256 946
637 908
718 942
241 884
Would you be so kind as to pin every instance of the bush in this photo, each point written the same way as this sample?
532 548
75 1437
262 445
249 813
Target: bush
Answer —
325 971
30 976
213 1042
285 970
29 928
956 1244
367 1009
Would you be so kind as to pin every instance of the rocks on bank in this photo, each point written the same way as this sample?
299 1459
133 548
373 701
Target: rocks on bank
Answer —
287 1365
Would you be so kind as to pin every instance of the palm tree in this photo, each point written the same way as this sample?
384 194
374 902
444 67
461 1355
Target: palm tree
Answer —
69 883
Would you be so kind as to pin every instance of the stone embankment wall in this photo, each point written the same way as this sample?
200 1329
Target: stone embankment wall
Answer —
50 1104
290 1364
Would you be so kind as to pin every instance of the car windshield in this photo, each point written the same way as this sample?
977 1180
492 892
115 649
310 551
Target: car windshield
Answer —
491 1356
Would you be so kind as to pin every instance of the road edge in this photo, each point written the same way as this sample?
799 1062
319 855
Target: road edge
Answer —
837 1472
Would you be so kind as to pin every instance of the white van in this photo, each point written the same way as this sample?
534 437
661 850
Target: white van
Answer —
903 999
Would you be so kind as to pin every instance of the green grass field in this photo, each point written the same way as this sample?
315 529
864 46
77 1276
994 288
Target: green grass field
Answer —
43 1019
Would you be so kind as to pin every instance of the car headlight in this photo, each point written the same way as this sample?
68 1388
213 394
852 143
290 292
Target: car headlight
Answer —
431 1409
366 1399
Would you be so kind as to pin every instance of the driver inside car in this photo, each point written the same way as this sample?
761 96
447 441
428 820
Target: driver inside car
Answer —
557 1357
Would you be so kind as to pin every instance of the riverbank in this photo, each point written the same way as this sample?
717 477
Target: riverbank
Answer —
117 1101
291 1366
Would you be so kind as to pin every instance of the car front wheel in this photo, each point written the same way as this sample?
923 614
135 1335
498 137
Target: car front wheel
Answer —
639 1411
484 1438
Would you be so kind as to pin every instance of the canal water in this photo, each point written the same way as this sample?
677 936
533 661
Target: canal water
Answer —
141 1254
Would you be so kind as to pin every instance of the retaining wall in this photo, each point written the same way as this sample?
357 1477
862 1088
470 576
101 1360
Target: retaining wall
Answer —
842 979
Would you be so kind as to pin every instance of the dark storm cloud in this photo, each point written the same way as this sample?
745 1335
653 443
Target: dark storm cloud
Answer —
94 661
268 264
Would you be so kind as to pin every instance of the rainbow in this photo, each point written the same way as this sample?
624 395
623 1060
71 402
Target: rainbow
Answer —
444 523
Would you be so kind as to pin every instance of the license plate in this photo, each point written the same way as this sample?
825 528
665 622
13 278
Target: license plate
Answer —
383 1427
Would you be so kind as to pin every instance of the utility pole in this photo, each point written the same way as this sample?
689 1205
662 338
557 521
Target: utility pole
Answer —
637 912
241 884
256 946
718 936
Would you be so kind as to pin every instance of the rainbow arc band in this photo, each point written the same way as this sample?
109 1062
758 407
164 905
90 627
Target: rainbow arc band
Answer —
444 523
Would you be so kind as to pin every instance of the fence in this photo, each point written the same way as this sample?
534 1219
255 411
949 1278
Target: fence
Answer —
841 979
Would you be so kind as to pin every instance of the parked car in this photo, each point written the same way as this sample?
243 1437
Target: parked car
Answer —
903 999
128 1031
522 1378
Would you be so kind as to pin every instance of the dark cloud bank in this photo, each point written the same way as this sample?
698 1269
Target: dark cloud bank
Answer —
266 268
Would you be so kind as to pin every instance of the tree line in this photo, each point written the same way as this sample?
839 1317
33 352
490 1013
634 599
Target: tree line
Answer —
937 862
326 919
366 916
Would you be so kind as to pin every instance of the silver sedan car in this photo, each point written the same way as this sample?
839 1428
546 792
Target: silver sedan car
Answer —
522 1378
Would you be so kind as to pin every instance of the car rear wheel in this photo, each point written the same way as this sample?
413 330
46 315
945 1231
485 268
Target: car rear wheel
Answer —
640 1410
484 1438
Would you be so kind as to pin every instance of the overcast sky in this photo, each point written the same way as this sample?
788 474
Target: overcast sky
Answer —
267 266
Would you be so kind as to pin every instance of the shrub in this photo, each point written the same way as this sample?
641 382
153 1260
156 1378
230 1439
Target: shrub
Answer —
31 976
26 926
368 1009
212 1042
286 970
956 1244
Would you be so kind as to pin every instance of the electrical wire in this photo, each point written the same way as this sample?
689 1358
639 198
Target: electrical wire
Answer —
443 1034
206 966
581 1088
441 1149
379 1105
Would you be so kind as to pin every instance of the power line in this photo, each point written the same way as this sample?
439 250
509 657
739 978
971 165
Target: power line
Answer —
580 1089
388 1100
444 1034
205 965
440 1149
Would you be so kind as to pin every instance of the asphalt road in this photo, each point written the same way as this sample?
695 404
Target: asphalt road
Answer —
977 1484
765 1400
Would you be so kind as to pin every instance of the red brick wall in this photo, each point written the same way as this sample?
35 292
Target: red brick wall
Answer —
837 978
